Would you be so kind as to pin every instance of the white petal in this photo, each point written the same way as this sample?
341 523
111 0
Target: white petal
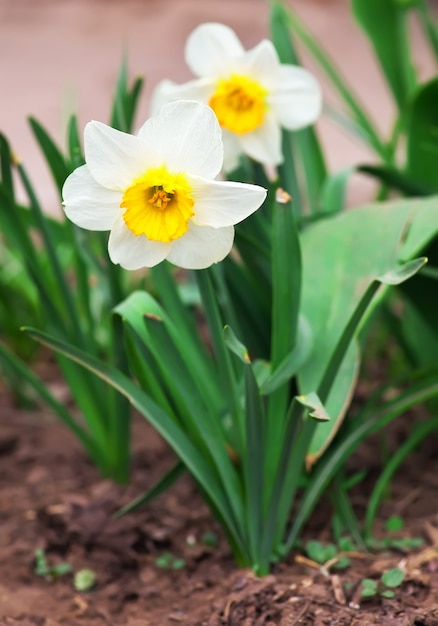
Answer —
261 63
232 151
167 91
209 49
220 204
114 158
201 246
188 136
264 143
134 252
296 98
88 204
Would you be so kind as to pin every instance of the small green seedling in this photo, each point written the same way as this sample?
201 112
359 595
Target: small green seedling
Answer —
210 539
389 580
84 580
324 553
168 561
395 524
50 572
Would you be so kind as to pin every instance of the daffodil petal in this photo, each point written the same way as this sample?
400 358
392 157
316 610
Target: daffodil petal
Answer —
134 252
188 136
296 98
87 204
167 91
114 158
201 246
264 143
220 204
260 63
209 49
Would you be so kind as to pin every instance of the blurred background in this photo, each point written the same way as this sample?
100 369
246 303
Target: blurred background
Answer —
63 56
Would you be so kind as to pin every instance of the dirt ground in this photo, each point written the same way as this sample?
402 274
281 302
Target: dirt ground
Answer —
51 497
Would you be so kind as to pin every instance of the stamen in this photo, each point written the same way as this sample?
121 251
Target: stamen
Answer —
239 103
158 205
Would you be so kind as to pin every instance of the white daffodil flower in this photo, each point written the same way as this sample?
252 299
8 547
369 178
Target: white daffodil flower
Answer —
156 193
252 94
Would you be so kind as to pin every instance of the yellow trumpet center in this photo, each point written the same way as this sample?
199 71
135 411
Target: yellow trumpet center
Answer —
158 205
239 103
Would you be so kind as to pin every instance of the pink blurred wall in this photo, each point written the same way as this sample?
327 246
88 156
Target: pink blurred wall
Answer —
60 56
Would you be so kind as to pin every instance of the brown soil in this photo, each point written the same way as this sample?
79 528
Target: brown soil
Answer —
52 497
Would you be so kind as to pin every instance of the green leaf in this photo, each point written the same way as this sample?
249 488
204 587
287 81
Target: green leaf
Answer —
317 409
291 363
74 143
6 166
367 129
164 425
393 577
334 191
55 159
369 588
235 345
395 179
394 523
166 481
306 145
422 137
384 22
253 466
371 419
337 268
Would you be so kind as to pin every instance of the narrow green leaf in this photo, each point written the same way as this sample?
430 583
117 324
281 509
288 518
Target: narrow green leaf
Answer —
395 179
27 375
422 137
235 345
166 481
307 146
58 166
334 75
253 464
371 420
292 363
74 143
6 166
384 22
164 425
333 194
317 410
402 272
419 433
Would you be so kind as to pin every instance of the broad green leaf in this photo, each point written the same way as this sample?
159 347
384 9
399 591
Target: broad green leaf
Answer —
384 22
422 137
334 191
341 257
